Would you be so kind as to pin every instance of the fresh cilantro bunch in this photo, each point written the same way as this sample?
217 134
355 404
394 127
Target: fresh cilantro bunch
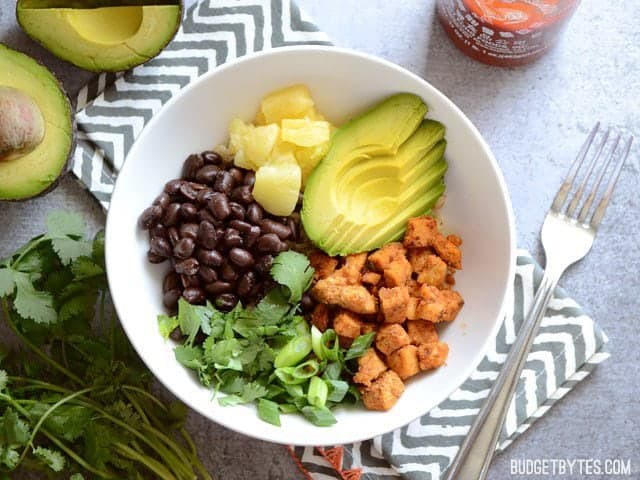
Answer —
75 399
268 354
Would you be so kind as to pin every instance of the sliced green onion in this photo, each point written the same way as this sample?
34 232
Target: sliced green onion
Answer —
318 391
332 371
316 342
331 345
301 325
268 411
320 416
288 408
295 391
337 390
360 345
299 374
293 352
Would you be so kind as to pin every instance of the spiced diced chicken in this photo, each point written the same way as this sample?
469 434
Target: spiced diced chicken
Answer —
384 392
352 269
438 305
404 361
335 291
423 232
398 273
370 366
432 355
347 324
323 264
320 316
422 331
382 258
391 337
393 304
371 278
430 268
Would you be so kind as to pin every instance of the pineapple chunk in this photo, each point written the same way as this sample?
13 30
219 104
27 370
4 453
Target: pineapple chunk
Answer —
252 145
305 132
277 186
308 158
291 102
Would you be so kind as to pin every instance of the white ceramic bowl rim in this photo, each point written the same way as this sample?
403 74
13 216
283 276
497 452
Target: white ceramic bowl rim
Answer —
403 417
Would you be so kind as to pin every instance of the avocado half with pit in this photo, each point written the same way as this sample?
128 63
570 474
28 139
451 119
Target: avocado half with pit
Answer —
101 35
36 127
382 168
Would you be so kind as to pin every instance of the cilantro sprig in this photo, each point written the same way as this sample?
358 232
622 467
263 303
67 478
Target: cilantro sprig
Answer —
75 400
268 354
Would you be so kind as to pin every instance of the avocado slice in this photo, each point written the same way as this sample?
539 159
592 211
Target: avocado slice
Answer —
28 172
382 168
101 38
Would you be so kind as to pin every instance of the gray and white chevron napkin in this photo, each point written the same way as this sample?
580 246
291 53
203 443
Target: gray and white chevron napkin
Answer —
113 109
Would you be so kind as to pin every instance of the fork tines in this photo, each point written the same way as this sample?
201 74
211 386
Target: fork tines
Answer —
607 149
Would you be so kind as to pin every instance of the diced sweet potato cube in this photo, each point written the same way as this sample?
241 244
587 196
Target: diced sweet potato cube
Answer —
384 392
438 305
382 258
404 361
398 273
371 278
320 317
432 355
351 270
421 331
335 291
347 324
370 366
393 304
323 264
391 337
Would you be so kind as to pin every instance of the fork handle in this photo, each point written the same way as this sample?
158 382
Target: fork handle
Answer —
474 457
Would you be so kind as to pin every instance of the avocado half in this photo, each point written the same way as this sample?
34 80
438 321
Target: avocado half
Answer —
101 35
37 171
382 168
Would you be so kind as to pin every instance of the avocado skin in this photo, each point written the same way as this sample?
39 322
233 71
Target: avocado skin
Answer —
383 167
25 4
67 165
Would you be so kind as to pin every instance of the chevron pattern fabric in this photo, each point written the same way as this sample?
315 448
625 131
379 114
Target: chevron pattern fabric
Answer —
113 109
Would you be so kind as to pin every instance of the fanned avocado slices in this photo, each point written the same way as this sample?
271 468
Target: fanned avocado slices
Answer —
101 35
36 127
382 168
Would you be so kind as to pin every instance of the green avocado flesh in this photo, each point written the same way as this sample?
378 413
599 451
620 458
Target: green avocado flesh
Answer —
106 39
382 168
31 174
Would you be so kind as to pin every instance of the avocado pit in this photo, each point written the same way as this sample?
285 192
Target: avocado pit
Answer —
22 125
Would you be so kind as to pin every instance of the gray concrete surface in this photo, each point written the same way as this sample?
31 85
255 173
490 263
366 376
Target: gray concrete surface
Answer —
534 118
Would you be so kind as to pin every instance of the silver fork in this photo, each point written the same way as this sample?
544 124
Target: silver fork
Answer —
567 236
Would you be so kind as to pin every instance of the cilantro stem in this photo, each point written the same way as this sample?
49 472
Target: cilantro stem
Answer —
148 462
36 350
32 245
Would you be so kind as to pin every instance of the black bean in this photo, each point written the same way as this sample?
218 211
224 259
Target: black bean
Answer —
194 295
155 258
160 246
241 257
264 263
307 303
207 174
218 287
211 157
246 283
191 165
189 230
251 236
237 174
171 215
176 334
293 227
207 236
250 178
255 213
207 274
219 206
226 301
270 226
300 199
204 215
240 225
184 248
269 242
237 211
224 182
174 236
188 211
170 282
170 298
211 258
242 194
187 267
150 216
204 196
232 238
162 200
158 230
228 273
173 186
190 190
189 280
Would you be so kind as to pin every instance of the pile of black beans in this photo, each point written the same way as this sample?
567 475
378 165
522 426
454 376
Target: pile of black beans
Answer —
219 240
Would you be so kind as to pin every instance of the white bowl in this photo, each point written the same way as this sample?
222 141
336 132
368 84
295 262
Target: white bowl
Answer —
343 83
